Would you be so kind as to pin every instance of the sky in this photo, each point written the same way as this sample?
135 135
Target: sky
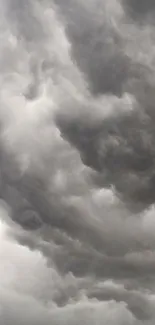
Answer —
77 162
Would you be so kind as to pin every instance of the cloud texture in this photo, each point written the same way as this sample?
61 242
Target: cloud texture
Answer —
77 162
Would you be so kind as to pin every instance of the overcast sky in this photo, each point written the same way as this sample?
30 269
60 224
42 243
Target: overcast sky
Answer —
77 162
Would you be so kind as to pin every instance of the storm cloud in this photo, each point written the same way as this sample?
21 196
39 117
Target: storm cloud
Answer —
140 10
77 157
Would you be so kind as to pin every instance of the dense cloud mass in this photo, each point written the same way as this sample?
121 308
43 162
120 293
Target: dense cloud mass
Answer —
139 10
77 162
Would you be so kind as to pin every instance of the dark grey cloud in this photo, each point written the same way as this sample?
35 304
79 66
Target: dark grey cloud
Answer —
96 46
76 163
121 149
140 10
137 302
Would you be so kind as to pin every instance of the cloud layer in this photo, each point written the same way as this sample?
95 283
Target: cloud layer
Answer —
77 176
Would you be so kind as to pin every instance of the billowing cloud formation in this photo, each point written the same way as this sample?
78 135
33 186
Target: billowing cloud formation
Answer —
97 46
29 287
120 146
77 175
